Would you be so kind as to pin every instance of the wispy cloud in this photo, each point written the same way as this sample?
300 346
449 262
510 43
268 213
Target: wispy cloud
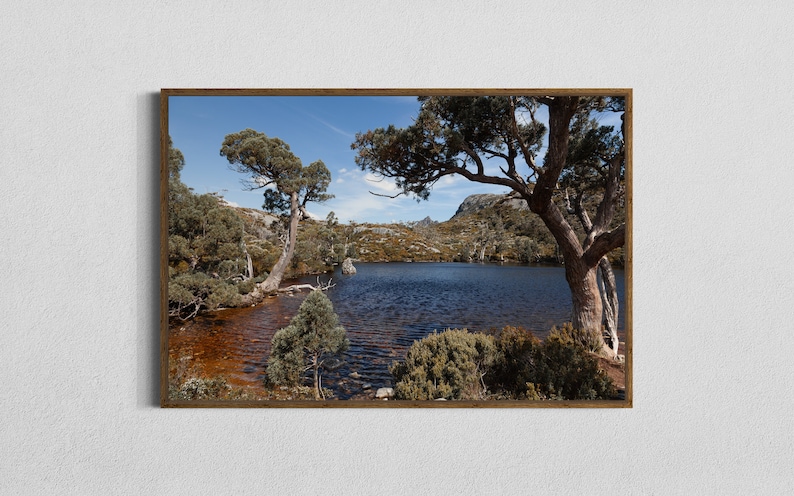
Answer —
331 126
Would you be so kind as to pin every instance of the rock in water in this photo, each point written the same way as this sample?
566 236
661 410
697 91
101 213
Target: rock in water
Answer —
347 266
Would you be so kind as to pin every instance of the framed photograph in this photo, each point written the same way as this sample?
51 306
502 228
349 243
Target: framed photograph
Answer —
396 248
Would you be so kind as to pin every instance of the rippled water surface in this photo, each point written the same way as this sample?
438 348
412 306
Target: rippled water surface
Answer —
384 308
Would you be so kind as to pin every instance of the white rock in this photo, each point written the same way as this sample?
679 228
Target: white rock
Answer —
347 267
384 392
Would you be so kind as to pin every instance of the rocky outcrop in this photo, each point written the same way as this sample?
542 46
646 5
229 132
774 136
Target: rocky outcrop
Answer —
474 203
347 267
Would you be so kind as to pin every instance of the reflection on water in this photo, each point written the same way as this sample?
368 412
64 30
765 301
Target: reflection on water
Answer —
384 308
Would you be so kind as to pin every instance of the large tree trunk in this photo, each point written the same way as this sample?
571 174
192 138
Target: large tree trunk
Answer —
582 276
581 261
586 313
273 281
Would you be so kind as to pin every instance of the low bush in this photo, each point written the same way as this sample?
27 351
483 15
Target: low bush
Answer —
518 355
449 365
459 365
565 370
591 341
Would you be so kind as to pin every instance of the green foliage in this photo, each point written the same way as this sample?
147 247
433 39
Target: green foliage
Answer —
450 134
313 336
206 248
565 370
192 291
245 287
269 161
518 353
448 365
200 388
558 368
590 341
186 381
456 364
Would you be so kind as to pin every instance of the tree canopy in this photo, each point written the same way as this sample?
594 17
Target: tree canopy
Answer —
269 162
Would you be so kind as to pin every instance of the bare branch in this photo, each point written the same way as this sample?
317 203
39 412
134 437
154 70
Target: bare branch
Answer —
528 158
299 287
387 196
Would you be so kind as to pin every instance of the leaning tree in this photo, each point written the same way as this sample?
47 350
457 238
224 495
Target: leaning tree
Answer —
459 135
290 186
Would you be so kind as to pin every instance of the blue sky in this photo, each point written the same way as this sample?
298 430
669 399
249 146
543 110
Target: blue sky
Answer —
315 127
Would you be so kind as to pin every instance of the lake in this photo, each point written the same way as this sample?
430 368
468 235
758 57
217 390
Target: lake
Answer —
384 307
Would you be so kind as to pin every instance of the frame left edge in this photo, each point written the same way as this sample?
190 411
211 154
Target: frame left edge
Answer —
163 248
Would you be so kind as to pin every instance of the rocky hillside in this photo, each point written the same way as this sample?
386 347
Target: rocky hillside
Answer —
485 227
475 203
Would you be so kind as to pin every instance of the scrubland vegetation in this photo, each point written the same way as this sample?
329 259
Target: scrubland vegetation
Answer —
459 365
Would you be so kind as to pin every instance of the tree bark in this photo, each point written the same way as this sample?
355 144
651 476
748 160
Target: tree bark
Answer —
609 300
316 367
249 266
586 313
607 287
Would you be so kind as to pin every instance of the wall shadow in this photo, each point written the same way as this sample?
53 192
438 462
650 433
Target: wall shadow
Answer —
148 249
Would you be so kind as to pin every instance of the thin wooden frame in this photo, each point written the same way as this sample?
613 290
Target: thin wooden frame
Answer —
165 402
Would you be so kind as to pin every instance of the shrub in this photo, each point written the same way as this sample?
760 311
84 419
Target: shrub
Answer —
202 388
564 369
591 341
245 287
449 365
192 292
557 368
518 354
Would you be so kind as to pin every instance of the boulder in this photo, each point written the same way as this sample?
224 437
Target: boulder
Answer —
347 266
384 393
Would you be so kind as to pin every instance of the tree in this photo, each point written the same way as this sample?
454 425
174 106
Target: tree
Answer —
456 135
271 164
312 336
592 151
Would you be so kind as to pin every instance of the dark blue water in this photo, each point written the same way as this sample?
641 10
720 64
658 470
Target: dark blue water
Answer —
385 307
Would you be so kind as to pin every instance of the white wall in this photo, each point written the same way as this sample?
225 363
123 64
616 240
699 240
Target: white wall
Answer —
713 247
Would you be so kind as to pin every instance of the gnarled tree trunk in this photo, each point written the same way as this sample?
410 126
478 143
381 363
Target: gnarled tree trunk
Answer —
586 313
271 284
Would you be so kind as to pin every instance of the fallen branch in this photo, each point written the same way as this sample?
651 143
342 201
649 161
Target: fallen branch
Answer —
299 287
